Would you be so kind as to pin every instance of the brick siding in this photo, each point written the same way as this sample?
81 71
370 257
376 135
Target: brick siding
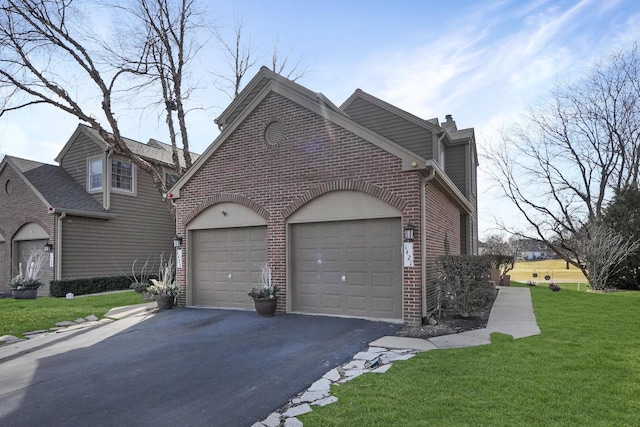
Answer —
316 156
31 210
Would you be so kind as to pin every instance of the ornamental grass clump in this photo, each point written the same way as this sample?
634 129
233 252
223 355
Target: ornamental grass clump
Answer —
32 272
165 284
264 290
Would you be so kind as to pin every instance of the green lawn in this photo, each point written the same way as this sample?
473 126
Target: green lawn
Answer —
584 369
19 316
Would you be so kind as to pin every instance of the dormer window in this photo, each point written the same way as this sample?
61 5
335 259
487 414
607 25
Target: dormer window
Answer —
95 175
121 175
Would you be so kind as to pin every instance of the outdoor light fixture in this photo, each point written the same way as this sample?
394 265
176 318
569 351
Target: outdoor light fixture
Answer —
177 241
48 247
408 232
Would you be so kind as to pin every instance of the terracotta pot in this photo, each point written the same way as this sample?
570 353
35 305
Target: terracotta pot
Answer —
265 306
165 302
24 293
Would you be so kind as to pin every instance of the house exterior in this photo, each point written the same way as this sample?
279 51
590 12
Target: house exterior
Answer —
323 194
96 211
535 250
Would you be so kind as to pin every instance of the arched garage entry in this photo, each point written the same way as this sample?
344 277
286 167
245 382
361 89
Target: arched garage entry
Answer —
345 257
226 243
30 237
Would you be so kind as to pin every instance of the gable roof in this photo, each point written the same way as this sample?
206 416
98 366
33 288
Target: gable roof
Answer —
430 125
154 151
266 82
57 190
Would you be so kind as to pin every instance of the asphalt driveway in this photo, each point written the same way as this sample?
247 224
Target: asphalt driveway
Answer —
182 367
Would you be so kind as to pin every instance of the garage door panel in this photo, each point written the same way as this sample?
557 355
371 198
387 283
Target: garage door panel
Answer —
367 253
227 266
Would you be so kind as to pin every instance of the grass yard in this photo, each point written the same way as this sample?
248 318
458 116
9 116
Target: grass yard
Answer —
583 370
19 316
556 269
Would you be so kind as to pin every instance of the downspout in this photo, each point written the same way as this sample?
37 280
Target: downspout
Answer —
423 225
423 236
106 185
58 249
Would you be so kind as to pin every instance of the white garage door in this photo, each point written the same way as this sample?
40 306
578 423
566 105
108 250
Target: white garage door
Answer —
351 268
226 265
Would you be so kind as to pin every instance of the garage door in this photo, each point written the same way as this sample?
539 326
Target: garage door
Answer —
225 265
351 268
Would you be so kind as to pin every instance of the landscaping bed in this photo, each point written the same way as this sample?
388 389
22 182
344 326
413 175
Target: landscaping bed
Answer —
450 321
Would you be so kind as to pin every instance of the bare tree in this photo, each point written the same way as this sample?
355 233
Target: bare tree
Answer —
602 252
279 64
561 165
43 41
167 49
240 56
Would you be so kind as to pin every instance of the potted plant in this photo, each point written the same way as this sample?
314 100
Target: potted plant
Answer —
164 288
264 295
25 286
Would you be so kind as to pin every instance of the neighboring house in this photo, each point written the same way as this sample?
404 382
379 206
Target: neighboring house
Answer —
533 250
322 193
96 211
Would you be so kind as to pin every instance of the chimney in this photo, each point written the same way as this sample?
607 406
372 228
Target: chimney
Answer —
449 124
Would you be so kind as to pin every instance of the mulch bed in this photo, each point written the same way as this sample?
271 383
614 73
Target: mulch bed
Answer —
450 321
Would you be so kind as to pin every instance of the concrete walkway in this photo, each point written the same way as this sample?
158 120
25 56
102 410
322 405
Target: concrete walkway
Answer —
512 314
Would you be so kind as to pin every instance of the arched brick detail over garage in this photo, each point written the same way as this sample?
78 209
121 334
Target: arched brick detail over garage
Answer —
326 187
222 198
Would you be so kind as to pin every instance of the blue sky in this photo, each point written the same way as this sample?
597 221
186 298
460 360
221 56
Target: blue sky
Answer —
484 62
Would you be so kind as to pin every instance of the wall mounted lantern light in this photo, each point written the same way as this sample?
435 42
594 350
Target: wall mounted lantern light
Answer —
177 241
408 232
48 247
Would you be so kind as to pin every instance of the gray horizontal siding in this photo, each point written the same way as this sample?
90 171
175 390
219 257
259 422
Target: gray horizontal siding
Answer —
455 167
74 161
406 133
143 228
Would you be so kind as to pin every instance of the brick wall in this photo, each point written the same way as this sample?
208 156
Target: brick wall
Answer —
316 156
31 210
443 236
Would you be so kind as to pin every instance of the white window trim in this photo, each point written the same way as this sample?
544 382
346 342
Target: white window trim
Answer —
89 161
134 183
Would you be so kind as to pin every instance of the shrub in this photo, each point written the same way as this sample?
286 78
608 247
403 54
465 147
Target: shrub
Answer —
466 280
60 288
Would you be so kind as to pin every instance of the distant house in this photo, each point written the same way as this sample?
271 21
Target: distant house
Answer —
324 194
533 250
95 212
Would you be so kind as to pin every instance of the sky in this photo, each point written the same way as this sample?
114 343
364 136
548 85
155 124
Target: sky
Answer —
484 62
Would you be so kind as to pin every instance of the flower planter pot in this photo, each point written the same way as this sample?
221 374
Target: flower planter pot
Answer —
24 293
165 302
265 306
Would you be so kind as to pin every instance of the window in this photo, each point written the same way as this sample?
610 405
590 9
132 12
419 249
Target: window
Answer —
95 175
121 175
170 179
